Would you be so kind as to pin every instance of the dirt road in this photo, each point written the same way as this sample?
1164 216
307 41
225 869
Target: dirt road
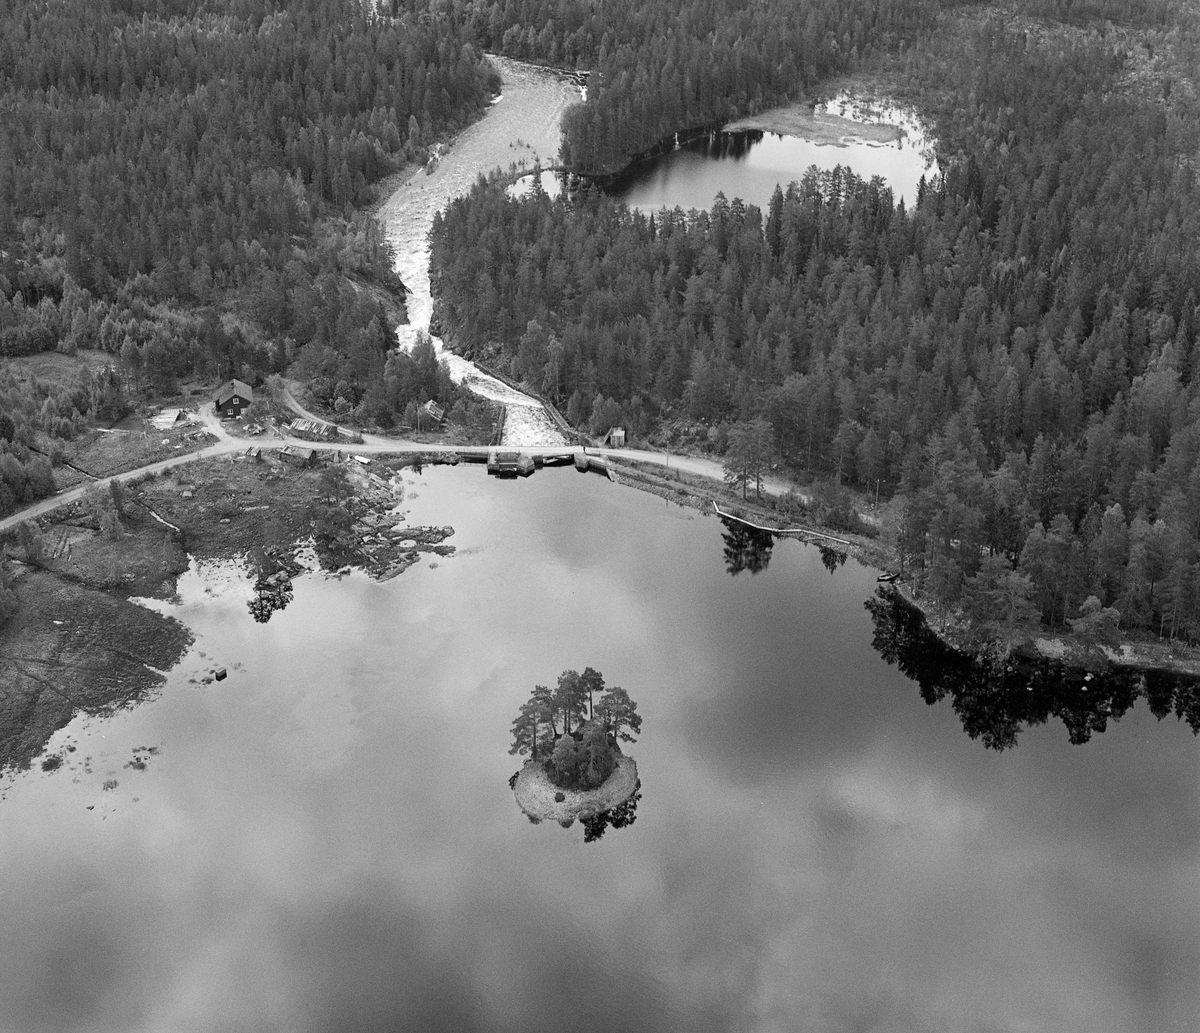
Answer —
378 445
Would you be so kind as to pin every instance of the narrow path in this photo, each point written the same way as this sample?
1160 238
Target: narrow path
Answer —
371 441
696 465
289 400
73 495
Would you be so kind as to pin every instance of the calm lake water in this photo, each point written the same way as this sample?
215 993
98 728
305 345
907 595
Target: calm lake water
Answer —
326 840
750 164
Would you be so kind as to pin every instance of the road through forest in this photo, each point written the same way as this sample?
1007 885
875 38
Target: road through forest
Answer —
522 125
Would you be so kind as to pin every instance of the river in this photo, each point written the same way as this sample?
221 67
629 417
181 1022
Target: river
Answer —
520 128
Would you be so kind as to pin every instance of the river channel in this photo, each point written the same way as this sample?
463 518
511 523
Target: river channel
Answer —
520 130
327 839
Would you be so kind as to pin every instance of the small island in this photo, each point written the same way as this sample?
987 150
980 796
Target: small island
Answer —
576 768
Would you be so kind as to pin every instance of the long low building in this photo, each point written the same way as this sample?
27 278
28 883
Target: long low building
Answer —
316 430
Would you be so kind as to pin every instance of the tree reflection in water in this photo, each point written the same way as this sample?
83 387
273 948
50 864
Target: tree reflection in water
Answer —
995 698
831 558
746 548
619 817
270 595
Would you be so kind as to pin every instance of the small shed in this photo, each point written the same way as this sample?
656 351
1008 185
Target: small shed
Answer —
431 411
167 419
615 438
232 397
298 456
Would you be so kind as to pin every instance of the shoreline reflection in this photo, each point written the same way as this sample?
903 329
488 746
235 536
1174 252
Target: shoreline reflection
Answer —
996 698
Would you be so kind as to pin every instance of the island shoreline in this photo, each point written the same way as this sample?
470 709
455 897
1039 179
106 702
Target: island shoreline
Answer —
535 793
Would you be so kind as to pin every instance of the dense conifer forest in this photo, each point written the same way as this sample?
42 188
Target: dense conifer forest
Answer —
661 66
180 187
1015 357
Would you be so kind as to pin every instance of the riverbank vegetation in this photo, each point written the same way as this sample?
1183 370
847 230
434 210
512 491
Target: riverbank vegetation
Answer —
1012 361
181 189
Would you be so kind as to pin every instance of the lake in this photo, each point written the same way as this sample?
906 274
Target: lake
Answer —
327 840
749 164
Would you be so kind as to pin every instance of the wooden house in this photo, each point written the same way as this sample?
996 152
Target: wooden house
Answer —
232 398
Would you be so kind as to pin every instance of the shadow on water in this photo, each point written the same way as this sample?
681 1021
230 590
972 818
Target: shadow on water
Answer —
621 816
270 594
724 145
746 548
995 698
706 142
749 548
832 559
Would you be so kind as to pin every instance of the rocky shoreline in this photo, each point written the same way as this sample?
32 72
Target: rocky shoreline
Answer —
537 796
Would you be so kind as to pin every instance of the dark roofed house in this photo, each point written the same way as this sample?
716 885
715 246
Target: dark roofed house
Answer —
232 397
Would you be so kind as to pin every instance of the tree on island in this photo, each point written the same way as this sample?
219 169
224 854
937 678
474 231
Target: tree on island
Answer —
534 725
571 700
592 718
619 712
582 763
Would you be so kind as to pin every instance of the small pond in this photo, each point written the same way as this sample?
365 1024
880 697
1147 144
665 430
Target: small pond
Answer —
750 163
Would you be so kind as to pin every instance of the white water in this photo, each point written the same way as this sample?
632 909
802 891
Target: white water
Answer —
521 127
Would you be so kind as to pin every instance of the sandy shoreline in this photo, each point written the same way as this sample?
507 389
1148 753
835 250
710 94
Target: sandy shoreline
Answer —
820 127
535 793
